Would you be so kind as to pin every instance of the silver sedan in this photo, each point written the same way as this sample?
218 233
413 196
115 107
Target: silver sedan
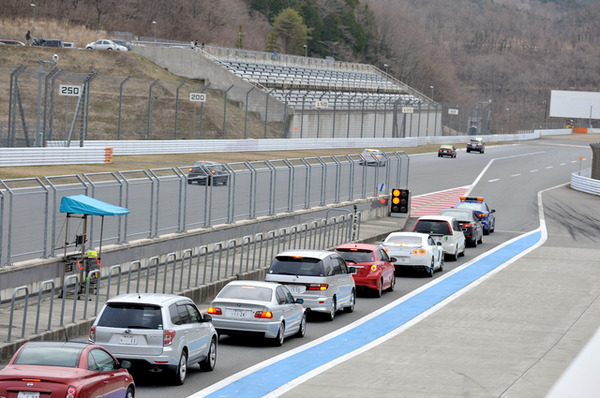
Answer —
265 309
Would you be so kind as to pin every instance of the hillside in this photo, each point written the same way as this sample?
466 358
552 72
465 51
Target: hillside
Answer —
512 52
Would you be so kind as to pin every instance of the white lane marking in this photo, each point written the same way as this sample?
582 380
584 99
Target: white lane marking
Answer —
516 175
480 176
549 167
533 171
494 180
562 164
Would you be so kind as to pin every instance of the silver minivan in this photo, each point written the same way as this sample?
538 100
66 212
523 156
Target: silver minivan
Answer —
320 278
157 332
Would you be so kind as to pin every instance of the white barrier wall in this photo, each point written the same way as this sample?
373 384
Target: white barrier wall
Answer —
49 156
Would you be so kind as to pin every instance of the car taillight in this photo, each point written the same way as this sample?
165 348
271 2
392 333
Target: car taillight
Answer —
263 314
468 225
420 252
316 286
215 311
71 392
92 336
168 337
440 150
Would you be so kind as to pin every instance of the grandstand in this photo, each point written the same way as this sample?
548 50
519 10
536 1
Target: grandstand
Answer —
307 94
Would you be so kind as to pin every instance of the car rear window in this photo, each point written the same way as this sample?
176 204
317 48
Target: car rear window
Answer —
357 256
459 215
432 227
49 356
292 265
134 316
469 205
246 293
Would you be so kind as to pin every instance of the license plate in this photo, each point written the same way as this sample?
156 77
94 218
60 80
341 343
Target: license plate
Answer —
28 394
296 289
237 313
128 340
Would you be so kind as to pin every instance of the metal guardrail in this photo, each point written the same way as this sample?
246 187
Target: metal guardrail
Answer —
168 273
581 181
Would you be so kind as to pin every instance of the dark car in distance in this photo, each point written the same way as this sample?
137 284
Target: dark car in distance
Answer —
476 144
469 222
447 150
206 172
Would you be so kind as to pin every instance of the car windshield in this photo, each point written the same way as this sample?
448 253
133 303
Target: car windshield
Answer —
49 356
432 227
356 256
246 292
295 265
127 315
404 239
469 205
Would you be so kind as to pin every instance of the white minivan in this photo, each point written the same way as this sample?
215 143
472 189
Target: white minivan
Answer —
446 230
320 278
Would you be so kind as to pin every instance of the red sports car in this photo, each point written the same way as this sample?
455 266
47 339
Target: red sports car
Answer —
373 267
65 369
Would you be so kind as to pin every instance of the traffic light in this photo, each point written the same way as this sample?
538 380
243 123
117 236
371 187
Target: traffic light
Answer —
400 202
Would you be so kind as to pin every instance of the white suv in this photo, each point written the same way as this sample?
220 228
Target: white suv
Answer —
157 332
444 229
320 278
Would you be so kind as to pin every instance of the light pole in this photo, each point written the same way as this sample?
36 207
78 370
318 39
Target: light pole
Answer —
431 87
305 50
154 23
33 29
508 120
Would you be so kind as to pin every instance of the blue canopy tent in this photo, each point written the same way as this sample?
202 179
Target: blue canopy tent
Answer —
86 206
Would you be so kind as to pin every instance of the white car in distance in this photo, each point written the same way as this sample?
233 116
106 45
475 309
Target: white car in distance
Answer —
105 44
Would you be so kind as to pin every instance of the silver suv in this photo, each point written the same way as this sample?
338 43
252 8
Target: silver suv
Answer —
157 332
320 278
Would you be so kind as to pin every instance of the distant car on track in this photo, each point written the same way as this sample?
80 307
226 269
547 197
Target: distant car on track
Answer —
414 250
372 157
206 172
266 309
65 369
447 150
374 269
486 215
105 44
476 144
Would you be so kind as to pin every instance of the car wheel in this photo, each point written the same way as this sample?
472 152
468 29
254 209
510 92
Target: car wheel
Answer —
493 227
474 242
350 308
331 313
379 290
431 269
302 329
393 283
130 393
209 363
480 241
462 253
181 371
278 341
442 264
486 232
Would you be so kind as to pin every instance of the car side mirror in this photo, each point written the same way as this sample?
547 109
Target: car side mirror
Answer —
439 243
125 364
492 211
393 259
352 270
299 301
206 318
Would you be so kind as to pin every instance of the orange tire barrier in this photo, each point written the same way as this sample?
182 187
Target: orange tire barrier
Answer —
108 155
580 130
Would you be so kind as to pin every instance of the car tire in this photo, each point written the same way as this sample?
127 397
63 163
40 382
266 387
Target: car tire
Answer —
486 232
302 328
350 308
379 291
130 392
189 182
393 284
431 268
209 363
331 313
474 243
493 227
278 341
181 371
442 264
